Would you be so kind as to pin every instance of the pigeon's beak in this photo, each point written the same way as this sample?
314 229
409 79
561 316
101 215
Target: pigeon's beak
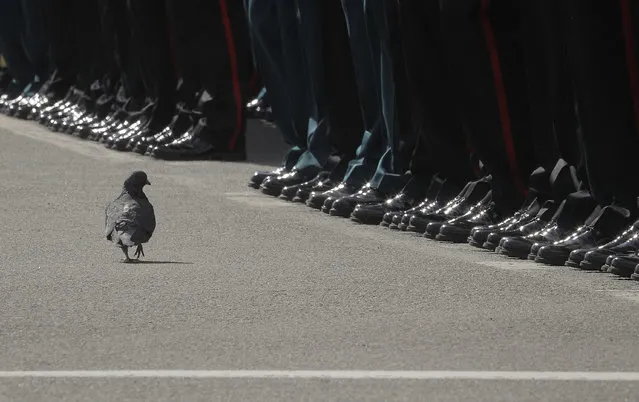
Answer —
148 182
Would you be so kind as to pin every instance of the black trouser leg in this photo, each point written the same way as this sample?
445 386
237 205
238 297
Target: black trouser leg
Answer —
150 34
36 18
109 19
602 40
394 162
88 44
552 106
485 49
185 39
406 137
12 29
224 69
365 44
342 100
279 56
442 145
62 49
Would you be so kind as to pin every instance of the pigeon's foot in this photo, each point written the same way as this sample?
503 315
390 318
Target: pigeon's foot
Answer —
139 251
128 261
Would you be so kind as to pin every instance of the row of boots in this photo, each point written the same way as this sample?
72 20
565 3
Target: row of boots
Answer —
122 126
558 224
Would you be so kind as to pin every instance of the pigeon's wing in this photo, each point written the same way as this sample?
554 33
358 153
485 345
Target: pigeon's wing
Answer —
148 218
111 213
145 220
136 223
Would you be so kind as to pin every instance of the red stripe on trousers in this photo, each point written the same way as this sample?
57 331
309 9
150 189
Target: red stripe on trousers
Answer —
502 101
235 76
631 61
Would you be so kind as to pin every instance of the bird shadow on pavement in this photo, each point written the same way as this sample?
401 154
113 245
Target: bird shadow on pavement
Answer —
159 262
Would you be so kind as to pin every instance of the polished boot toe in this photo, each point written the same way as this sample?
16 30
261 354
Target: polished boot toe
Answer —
395 219
404 222
559 252
324 200
626 243
624 266
289 192
258 177
598 232
606 266
392 220
274 185
197 148
517 247
304 193
345 206
368 214
593 260
552 255
459 230
576 257
374 214
494 239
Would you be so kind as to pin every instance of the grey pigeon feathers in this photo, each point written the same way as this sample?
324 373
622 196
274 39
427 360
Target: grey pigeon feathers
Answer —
130 219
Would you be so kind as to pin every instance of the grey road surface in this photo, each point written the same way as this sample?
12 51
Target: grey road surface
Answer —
234 280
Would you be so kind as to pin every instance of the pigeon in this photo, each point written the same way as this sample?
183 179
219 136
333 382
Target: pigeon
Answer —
130 219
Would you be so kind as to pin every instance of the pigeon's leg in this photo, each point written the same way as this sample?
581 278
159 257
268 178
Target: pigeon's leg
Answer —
139 251
125 249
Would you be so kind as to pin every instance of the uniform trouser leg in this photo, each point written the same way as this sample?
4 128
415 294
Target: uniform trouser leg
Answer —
318 144
61 31
36 17
442 145
132 90
485 49
364 44
88 43
602 39
340 88
186 40
109 24
220 28
12 32
392 165
279 56
552 108
150 34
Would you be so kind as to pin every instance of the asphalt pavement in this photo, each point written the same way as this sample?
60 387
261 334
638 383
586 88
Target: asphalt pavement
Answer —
235 281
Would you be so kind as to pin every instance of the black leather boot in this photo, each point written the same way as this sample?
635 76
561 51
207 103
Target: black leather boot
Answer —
372 214
522 228
598 231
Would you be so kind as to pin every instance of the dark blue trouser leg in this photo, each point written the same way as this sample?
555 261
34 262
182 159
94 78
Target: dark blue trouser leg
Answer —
268 46
319 146
386 177
36 14
12 31
280 60
363 38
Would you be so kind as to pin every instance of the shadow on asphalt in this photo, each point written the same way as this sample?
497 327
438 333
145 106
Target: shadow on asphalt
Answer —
137 262
264 144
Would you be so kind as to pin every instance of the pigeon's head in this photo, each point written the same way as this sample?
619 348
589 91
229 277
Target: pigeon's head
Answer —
136 181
